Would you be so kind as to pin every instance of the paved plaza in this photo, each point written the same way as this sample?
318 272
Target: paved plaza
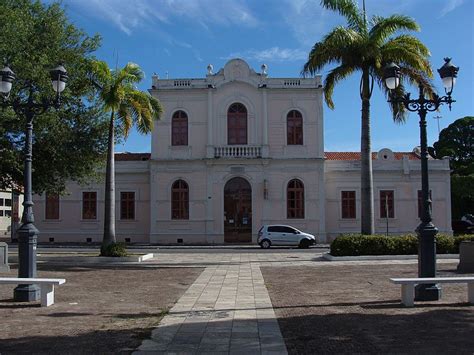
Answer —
241 300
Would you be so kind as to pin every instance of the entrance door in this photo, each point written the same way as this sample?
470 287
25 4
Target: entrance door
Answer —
237 211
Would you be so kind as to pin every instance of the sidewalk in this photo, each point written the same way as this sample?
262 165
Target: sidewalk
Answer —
227 310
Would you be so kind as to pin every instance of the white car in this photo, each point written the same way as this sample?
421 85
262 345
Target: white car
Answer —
270 235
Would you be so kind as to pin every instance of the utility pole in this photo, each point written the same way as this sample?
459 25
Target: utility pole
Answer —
437 118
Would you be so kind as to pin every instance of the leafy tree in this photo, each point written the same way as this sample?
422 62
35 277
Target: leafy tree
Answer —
70 142
366 47
457 142
127 106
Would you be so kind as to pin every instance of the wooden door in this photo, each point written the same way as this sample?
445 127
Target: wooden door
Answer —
237 211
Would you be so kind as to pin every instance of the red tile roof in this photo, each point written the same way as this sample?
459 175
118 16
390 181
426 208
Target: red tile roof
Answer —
132 156
356 155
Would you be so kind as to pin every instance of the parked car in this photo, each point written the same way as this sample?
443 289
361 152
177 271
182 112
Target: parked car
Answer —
270 235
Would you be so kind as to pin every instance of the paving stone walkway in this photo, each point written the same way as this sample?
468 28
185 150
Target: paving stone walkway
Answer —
226 310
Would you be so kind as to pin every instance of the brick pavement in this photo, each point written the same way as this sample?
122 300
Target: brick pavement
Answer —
228 308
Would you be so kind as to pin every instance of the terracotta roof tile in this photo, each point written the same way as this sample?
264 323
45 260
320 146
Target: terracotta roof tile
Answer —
356 155
132 156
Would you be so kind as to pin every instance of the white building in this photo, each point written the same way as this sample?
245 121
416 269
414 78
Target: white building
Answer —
235 150
10 211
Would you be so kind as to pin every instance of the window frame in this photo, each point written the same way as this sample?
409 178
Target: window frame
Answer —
47 202
180 204
86 218
294 132
131 210
391 203
346 203
235 124
298 210
179 135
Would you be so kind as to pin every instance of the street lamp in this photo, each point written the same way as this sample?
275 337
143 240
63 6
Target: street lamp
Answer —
28 233
426 230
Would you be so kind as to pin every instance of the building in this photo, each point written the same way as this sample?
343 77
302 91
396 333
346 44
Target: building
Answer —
235 150
10 212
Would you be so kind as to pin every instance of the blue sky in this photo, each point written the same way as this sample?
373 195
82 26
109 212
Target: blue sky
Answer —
179 38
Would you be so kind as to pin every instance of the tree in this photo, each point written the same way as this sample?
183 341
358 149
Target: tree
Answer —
127 106
69 143
457 142
366 47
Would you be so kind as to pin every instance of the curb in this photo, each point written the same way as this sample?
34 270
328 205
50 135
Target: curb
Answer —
329 257
89 259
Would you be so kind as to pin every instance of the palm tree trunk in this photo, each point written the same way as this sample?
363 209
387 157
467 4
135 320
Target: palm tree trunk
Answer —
109 213
366 179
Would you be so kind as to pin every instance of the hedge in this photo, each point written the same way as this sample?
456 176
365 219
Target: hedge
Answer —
357 244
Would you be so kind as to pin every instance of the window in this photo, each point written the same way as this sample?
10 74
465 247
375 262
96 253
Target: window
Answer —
89 205
348 204
179 128
1 201
8 213
386 204
8 202
127 205
52 206
237 124
180 200
295 199
420 203
1 213
294 128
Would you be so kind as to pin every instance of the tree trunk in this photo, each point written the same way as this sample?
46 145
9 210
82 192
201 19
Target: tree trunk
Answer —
367 193
109 203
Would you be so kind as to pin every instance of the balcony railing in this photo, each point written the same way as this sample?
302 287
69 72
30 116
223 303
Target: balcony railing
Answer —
238 151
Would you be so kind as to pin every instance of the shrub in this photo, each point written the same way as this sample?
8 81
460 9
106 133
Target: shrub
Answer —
357 244
114 250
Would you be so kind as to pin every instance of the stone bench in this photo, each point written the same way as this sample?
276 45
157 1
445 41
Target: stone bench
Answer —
408 286
46 285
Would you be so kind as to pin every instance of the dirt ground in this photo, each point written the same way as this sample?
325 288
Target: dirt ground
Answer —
355 309
98 309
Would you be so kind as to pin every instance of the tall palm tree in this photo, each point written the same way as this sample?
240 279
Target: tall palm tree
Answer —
127 106
366 47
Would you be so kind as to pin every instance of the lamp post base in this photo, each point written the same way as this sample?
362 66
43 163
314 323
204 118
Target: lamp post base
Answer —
26 293
427 292
27 238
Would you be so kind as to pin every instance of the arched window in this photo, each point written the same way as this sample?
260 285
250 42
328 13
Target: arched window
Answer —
294 128
295 199
237 124
180 200
179 128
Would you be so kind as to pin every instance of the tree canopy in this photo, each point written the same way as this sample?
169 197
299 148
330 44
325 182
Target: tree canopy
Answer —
70 142
457 142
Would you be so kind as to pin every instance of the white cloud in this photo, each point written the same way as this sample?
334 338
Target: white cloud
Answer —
128 15
449 6
274 54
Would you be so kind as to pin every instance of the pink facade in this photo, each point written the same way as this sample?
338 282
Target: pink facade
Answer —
231 173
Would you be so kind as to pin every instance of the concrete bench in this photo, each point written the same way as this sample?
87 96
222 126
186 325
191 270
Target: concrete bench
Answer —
46 285
408 286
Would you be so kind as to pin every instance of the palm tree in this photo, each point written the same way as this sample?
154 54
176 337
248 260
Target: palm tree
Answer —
127 106
366 47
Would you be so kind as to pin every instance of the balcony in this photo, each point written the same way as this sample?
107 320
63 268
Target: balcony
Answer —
238 151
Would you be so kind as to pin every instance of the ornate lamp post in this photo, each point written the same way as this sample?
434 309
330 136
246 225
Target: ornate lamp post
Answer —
426 230
28 233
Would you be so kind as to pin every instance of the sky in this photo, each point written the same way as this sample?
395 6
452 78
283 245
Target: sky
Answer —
179 38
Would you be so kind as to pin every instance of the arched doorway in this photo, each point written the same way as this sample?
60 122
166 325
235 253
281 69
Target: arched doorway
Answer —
237 211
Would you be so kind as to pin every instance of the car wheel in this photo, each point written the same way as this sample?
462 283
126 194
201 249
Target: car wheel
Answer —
304 244
265 244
